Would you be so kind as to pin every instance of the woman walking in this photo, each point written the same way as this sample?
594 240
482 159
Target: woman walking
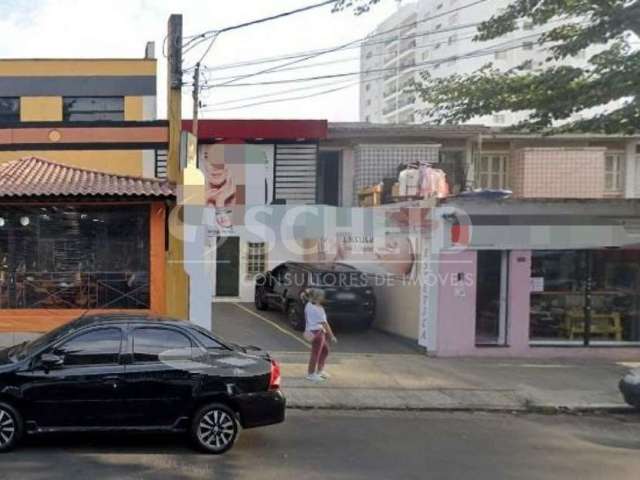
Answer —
319 333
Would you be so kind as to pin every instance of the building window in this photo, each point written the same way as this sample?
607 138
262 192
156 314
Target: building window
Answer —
438 26
614 172
498 119
500 55
440 5
527 46
88 109
369 54
367 87
491 171
9 109
585 296
527 26
256 258
74 257
368 102
452 39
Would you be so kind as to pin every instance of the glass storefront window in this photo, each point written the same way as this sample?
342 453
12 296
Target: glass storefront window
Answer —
74 257
615 296
557 292
585 297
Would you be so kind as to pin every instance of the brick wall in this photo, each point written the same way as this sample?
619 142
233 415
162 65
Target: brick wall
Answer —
558 172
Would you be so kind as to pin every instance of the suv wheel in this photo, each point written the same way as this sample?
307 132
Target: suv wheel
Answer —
295 316
259 299
214 428
11 427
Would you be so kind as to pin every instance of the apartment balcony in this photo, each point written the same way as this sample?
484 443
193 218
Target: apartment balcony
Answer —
390 92
407 65
405 101
389 75
389 109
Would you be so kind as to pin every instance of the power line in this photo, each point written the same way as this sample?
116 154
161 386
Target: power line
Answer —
289 99
378 34
279 92
344 60
197 39
376 70
469 55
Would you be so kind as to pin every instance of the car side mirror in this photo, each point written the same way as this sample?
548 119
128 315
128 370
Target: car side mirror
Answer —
50 360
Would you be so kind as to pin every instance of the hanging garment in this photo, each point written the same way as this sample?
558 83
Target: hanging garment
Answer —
433 182
409 180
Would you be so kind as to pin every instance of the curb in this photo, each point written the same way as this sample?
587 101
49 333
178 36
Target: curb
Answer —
533 410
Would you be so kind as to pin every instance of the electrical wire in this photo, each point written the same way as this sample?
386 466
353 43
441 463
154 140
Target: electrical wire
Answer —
344 60
205 35
289 99
469 55
279 92
491 49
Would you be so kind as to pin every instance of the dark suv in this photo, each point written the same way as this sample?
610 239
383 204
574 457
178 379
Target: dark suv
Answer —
350 300
137 373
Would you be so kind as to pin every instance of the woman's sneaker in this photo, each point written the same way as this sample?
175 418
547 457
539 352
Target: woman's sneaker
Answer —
324 375
315 378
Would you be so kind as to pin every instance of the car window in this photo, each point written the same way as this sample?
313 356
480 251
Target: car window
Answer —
97 347
206 340
149 343
279 273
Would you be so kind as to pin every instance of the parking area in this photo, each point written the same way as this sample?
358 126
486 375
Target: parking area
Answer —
242 323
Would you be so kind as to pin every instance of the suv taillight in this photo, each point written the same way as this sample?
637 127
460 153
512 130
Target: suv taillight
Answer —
276 377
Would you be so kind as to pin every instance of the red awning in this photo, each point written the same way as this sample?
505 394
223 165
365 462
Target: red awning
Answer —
34 176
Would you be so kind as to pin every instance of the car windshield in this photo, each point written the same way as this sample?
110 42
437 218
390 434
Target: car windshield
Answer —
27 349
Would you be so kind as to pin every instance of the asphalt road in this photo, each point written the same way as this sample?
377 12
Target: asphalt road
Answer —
242 323
349 445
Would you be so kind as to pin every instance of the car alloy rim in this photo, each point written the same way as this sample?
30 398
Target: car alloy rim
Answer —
7 428
216 429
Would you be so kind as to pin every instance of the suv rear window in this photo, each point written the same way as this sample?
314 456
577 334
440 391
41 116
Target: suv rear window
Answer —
338 279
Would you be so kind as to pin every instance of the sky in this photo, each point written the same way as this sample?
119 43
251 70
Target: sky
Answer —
121 28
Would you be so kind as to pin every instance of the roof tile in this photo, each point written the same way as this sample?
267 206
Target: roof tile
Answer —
32 176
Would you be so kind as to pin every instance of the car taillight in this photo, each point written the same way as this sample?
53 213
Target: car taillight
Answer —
276 377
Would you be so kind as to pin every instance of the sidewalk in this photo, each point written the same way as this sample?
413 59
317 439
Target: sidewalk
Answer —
416 382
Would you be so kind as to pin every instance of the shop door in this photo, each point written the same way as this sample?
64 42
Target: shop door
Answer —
227 266
491 297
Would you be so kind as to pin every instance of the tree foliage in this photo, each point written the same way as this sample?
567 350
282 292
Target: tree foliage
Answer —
551 95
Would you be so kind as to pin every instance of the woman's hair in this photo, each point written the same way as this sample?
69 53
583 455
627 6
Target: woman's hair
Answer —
315 295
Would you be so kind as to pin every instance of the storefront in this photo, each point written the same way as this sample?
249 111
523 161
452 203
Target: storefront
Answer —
538 278
74 241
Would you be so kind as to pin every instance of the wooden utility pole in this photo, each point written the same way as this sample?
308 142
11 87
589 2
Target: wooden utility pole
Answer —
174 100
177 281
196 99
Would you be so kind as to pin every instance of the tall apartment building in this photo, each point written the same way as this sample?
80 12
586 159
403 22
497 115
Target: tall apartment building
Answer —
422 36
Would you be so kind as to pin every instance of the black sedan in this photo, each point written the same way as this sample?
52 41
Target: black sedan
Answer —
137 373
630 388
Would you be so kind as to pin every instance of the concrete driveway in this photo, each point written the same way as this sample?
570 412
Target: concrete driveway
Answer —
242 323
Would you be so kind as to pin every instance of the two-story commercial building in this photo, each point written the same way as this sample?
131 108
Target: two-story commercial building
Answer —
82 212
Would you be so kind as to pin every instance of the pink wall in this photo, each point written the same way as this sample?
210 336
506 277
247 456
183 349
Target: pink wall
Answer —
558 172
456 315
456 304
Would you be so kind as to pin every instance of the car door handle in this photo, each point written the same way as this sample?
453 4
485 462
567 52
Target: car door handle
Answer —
112 378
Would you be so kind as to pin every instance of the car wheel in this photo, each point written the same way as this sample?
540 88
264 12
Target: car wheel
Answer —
214 428
11 427
295 316
259 299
